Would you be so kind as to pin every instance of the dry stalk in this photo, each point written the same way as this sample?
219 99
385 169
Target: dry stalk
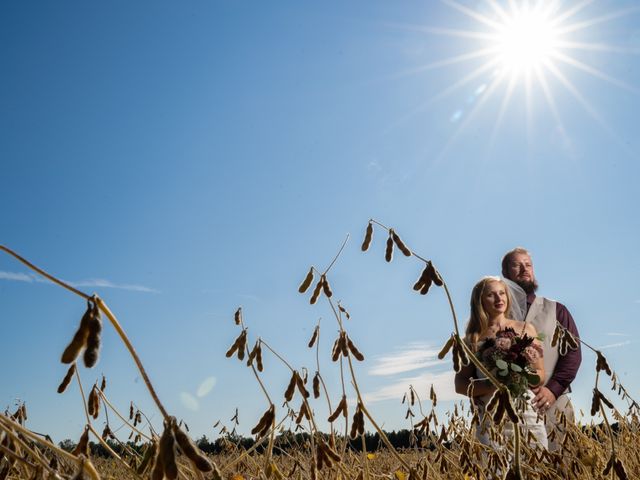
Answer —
112 453
103 307
124 420
249 451
8 427
458 339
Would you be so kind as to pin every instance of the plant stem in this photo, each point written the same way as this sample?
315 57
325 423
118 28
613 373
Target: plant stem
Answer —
516 449
324 386
337 255
360 400
43 273
606 420
84 399
109 315
418 399
312 420
98 436
111 452
126 422
277 355
10 453
87 466
123 336
365 464
17 439
248 452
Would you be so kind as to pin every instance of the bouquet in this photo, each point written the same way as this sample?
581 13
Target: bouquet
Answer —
510 358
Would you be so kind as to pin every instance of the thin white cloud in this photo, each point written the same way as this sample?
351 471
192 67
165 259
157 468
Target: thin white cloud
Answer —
18 277
103 283
442 383
412 357
615 345
615 334
94 282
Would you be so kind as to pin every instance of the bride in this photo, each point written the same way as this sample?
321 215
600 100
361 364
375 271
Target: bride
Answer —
491 302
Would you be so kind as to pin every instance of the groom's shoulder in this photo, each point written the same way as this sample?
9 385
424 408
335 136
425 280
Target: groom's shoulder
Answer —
551 300
548 300
561 308
562 312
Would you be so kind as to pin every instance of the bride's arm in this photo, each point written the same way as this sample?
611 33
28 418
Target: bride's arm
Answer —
464 378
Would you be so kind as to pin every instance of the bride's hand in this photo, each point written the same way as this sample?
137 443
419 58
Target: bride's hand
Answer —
544 399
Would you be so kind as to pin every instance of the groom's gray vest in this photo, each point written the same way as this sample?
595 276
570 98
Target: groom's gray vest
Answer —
542 315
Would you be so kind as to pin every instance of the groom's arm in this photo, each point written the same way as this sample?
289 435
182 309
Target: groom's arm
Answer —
568 365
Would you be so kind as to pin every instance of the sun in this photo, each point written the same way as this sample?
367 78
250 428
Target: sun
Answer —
525 50
525 41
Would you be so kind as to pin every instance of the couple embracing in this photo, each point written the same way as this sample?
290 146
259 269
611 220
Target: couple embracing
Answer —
506 312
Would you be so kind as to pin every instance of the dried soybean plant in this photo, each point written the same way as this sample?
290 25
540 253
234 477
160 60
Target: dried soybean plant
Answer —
86 341
344 349
564 339
441 448
266 426
323 453
501 402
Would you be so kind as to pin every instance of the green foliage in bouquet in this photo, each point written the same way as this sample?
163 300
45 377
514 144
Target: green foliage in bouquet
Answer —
511 358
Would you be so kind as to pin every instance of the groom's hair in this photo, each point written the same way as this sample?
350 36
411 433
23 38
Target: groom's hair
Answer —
507 258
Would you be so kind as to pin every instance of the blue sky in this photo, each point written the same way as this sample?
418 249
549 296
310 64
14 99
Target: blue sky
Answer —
184 159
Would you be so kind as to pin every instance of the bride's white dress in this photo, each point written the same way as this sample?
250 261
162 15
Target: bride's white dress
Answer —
530 422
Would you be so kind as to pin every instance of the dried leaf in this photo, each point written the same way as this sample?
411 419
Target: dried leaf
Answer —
367 237
325 287
400 244
306 283
422 279
388 255
343 310
595 402
602 364
434 275
426 286
67 378
314 337
79 340
445 349
288 394
356 353
316 385
191 450
316 292
340 409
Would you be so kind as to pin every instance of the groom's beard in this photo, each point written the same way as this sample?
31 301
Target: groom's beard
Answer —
529 286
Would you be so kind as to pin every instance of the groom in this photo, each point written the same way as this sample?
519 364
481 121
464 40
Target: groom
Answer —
543 313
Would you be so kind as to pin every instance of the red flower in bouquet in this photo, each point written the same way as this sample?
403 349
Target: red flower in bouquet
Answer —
511 359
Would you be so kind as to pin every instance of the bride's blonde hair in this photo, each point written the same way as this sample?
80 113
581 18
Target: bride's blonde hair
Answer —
478 319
